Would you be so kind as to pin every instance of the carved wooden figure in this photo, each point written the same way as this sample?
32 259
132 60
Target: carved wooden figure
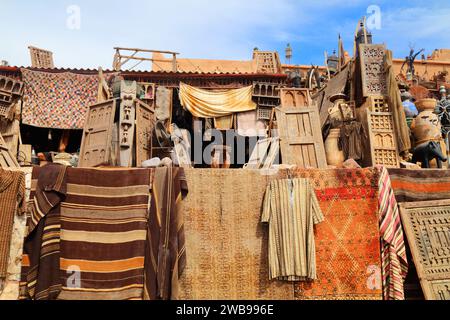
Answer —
127 122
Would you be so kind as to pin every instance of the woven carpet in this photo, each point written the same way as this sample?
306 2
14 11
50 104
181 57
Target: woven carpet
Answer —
348 241
57 100
420 185
103 234
225 240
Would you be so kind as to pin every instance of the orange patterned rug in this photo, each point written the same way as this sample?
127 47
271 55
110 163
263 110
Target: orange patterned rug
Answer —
348 242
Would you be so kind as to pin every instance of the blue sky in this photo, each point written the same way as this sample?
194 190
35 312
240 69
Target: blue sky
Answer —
213 29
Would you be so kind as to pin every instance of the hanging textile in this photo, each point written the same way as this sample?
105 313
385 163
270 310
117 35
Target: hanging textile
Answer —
291 209
57 100
12 201
226 242
165 251
349 261
396 106
214 104
393 252
40 278
224 123
103 234
420 185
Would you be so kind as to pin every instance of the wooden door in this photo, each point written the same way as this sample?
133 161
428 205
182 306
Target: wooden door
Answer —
301 137
97 134
427 227
145 123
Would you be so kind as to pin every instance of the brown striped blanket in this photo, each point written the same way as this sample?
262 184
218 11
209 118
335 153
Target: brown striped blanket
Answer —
103 234
420 185
92 236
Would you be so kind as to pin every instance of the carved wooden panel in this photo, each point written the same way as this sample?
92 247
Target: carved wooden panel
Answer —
427 227
41 58
145 123
97 134
267 62
300 137
295 98
163 108
373 74
383 142
127 122
7 159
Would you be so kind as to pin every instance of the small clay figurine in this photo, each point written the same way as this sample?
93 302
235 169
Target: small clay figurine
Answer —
428 151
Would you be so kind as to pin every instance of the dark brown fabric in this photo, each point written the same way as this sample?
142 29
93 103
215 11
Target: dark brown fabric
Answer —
352 135
166 254
40 269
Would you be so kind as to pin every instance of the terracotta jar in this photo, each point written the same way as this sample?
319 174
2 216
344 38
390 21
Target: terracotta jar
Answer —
426 104
335 157
426 127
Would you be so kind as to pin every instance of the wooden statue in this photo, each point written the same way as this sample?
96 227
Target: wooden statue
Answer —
127 122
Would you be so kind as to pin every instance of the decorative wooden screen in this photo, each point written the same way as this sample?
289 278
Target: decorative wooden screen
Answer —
267 62
97 134
7 159
41 58
383 143
295 98
427 227
9 88
145 123
127 121
300 137
373 74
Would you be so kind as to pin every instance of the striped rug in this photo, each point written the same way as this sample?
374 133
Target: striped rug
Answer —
393 250
103 234
420 185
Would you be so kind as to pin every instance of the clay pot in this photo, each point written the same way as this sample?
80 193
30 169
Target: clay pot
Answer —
426 104
426 127
335 157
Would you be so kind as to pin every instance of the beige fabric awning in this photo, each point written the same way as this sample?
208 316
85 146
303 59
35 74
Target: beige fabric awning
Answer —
215 104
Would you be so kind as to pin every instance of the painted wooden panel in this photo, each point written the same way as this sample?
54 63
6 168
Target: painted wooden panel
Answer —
301 137
97 134
427 227
145 123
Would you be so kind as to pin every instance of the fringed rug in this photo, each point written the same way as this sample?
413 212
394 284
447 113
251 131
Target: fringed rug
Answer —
226 243
348 241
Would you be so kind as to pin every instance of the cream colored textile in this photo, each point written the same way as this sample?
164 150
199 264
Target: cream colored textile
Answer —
215 104
291 208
